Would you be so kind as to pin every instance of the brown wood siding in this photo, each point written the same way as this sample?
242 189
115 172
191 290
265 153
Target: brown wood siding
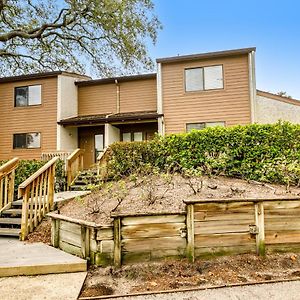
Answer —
97 99
41 118
231 104
139 95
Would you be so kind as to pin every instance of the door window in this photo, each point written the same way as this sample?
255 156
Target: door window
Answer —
99 144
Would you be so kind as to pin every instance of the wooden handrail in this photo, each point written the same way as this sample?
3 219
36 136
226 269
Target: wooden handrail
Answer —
8 167
101 163
37 194
34 176
74 165
7 183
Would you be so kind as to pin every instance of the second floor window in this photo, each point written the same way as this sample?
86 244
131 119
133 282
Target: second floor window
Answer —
28 95
27 140
206 78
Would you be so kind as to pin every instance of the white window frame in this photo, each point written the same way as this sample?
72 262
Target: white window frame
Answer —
27 146
28 87
203 78
205 125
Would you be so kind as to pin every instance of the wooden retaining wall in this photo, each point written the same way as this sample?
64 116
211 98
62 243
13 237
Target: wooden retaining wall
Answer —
208 227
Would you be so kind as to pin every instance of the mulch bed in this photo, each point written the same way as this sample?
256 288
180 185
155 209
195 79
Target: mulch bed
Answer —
168 275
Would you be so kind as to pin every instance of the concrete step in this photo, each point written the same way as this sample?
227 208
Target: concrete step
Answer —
19 258
9 231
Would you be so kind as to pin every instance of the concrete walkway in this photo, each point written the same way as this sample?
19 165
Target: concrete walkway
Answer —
19 258
46 287
275 291
68 195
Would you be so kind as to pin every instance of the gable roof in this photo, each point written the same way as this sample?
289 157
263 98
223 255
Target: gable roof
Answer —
217 54
278 98
41 75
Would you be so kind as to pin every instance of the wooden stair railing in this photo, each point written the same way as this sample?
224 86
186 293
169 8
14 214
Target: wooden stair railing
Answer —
74 165
101 163
7 183
37 194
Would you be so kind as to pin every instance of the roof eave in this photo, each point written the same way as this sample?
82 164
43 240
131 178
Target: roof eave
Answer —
207 55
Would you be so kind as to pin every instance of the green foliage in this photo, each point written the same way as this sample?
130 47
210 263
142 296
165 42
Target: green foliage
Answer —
107 36
28 167
269 153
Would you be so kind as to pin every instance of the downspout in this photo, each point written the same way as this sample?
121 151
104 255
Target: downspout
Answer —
161 124
252 85
118 95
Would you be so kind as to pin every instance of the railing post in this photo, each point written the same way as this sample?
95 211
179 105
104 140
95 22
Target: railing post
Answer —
260 224
117 242
24 220
190 250
55 232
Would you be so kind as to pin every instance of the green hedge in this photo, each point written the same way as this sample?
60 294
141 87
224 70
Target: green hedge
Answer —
27 167
269 153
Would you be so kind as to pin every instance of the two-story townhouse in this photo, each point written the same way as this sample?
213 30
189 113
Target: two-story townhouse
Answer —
60 111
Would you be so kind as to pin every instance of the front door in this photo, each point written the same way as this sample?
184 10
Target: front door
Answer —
92 141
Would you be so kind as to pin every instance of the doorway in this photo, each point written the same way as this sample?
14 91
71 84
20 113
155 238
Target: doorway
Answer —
91 139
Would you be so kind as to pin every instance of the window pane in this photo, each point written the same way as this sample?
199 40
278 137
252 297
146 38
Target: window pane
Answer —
194 79
21 96
138 136
19 141
99 142
195 126
213 77
33 140
35 96
126 137
214 124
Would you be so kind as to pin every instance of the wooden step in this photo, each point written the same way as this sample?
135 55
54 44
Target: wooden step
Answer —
10 231
12 211
10 221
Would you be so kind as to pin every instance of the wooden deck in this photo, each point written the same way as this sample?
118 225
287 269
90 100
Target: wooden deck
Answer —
20 258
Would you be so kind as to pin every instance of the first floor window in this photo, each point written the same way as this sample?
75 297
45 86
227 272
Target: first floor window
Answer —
199 126
27 140
204 78
28 95
132 136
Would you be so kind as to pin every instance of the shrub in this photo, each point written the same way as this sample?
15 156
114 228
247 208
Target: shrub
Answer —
28 167
269 153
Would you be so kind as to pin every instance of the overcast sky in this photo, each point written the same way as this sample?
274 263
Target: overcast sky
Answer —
273 27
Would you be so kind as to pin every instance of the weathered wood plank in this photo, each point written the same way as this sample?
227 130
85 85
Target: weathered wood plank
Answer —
282 225
281 205
107 246
117 243
70 248
223 240
140 245
259 222
153 219
105 234
215 216
234 207
190 224
71 227
218 251
152 230
55 233
278 212
70 237
282 237
227 226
